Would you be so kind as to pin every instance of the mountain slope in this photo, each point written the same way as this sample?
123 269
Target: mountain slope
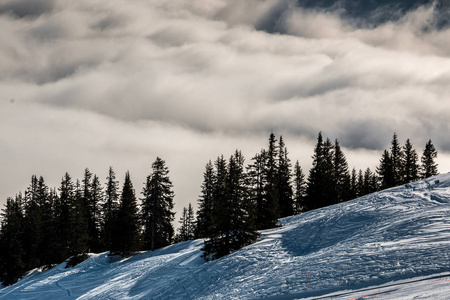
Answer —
396 234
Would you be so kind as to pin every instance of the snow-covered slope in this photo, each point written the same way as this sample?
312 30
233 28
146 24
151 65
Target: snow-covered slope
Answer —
395 235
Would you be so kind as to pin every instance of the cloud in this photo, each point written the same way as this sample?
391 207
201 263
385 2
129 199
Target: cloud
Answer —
99 83
26 8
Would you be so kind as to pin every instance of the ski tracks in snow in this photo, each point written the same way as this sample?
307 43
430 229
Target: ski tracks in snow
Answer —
393 235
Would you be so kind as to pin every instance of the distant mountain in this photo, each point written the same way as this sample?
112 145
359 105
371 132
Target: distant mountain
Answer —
386 238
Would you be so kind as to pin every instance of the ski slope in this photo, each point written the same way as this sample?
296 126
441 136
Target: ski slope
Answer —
394 244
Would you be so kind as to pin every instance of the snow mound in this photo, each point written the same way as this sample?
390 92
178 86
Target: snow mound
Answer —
397 234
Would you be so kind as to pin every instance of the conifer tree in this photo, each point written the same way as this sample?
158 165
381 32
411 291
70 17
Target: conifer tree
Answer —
191 225
283 182
220 214
90 209
411 167
244 228
157 206
341 175
32 226
320 191
329 186
369 185
47 198
205 202
360 184
63 218
219 195
314 189
257 184
300 188
12 266
92 197
44 199
126 238
397 158
110 209
374 183
38 227
429 167
269 212
95 211
233 217
186 231
353 185
79 235
385 172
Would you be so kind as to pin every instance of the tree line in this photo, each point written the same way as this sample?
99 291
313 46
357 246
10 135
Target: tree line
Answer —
45 226
238 200
330 182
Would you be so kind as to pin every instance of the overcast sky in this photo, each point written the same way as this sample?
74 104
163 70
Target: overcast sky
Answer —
99 83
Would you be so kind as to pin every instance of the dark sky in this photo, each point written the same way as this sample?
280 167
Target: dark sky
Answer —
119 82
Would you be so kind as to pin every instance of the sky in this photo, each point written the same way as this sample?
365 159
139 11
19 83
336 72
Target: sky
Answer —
100 83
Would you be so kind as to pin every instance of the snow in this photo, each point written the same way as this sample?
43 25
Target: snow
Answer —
394 244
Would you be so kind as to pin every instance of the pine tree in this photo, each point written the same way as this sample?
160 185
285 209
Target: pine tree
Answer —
109 210
79 236
233 217
38 227
300 188
205 202
90 206
126 238
191 225
314 189
397 160
341 175
12 266
283 182
369 183
385 172
186 231
329 184
219 196
244 228
353 185
220 215
48 235
269 211
411 167
320 191
374 183
360 184
257 184
92 197
63 218
97 198
181 236
32 226
157 206
429 167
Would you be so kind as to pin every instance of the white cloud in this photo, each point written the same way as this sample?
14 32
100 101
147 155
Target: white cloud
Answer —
99 83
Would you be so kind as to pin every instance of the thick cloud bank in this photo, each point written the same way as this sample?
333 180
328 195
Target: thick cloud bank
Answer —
97 83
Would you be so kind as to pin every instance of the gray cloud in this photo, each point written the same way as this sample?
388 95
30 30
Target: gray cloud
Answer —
26 8
122 82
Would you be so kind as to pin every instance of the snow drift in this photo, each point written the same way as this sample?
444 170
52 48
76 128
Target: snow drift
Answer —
397 234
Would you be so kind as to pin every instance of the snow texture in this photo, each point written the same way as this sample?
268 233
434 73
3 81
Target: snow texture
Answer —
394 244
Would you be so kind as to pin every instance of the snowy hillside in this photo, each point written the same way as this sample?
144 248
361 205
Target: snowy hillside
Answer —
397 235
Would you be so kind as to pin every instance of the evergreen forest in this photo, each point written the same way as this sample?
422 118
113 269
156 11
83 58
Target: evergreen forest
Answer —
44 226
